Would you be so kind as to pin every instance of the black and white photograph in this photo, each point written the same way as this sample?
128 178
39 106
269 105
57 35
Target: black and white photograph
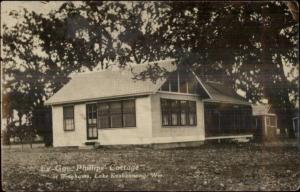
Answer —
150 96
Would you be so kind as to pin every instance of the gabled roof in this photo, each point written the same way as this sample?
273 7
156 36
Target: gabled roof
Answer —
109 84
220 92
120 83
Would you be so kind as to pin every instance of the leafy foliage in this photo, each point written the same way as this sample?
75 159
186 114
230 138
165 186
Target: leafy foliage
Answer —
247 45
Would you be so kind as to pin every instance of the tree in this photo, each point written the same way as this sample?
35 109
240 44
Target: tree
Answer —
41 51
247 45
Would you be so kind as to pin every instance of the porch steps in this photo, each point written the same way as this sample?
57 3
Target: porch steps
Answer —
90 145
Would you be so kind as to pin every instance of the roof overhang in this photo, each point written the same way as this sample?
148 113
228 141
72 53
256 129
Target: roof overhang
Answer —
226 102
98 99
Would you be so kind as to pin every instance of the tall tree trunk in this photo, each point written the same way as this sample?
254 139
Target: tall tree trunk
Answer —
279 99
288 106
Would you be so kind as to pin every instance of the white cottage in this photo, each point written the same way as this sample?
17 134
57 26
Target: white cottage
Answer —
111 108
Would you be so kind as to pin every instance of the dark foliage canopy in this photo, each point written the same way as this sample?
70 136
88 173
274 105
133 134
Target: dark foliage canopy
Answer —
247 45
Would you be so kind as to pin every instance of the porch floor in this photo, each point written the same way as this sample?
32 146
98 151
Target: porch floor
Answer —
229 136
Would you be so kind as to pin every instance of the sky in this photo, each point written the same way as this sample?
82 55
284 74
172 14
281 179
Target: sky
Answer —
38 6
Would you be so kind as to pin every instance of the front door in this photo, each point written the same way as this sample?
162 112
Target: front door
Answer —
91 124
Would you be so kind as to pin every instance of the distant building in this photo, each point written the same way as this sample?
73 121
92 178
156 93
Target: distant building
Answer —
296 125
265 122
111 108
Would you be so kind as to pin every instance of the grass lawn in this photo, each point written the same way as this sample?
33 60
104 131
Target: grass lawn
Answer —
209 167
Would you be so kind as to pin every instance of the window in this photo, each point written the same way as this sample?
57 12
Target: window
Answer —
192 85
182 82
174 82
174 112
103 115
129 113
178 112
192 113
68 115
183 77
183 112
92 132
116 114
166 109
271 121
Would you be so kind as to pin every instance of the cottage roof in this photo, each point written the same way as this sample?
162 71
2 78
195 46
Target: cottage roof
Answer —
220 92
110 84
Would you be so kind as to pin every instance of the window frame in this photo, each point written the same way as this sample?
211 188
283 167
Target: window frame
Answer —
189 82
179 112
269 119
64 118
116 114
109 114
91 124
129 113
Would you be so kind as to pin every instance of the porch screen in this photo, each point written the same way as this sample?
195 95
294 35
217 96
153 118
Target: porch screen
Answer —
227 119
178 112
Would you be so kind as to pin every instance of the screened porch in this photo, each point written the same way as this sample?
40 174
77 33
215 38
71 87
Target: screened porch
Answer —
223 119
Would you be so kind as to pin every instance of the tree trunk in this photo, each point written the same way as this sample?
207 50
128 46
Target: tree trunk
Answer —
279 99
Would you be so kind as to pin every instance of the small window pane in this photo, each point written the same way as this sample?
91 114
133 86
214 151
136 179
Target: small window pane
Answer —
94 132
90 132
165 119
128 106
192 85
174 113
174 118
116 120
192 119
271 121
115 107
183 106
175 106
165 105
183 118
103 109
183 82
174 82
69 124
68 112
103 122
192 106
129 120
92 114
